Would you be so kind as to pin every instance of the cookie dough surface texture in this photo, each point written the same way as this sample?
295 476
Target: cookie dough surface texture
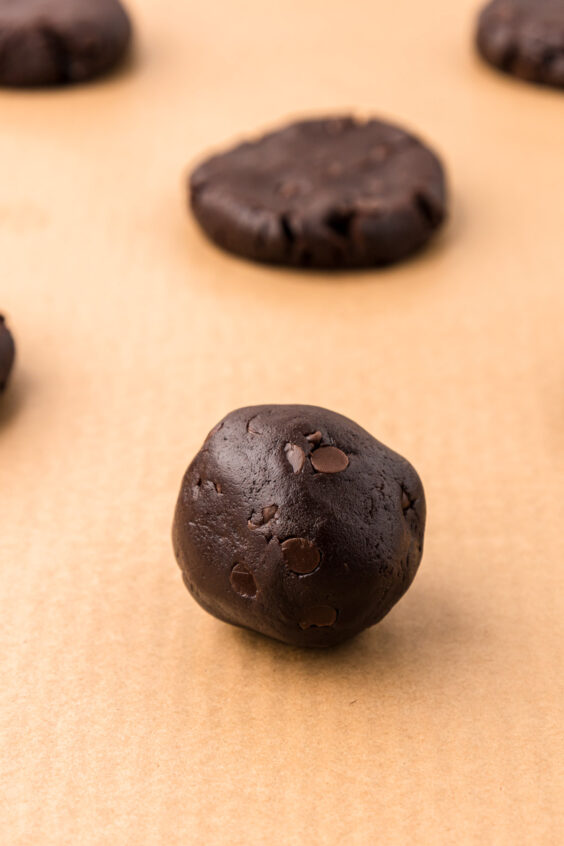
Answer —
295 522
55 42
524 38
7 354
327 193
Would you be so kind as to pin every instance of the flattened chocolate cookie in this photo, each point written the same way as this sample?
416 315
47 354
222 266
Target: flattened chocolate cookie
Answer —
7 353
332 193
295 522
54 42
524 38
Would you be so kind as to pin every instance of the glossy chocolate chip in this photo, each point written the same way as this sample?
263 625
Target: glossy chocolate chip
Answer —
320 616
329 459
243 582
263 516
315 438
296 456
300 555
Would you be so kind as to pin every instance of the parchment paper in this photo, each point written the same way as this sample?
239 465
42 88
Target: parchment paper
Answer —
128 715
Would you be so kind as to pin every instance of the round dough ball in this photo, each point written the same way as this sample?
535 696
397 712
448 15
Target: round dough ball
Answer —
524 38
326 193
55 42
295 522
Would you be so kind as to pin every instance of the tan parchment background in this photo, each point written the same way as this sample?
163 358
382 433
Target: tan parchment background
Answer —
128 715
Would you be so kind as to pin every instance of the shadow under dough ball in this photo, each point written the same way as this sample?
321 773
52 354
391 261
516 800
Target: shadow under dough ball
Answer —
524 38
295 522
55 42
7 354
329 193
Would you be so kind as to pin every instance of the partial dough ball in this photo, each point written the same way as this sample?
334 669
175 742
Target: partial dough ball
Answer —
55 42
7 354
524 38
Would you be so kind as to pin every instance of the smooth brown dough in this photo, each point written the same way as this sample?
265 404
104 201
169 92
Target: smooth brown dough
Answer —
329 193
7 354
55 42
524 38
295 522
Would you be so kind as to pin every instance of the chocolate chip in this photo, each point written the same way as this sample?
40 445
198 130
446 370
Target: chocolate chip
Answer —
300 555
217 486
329 459
243 582
319 616
269 512
259 519
296 456
251 428
315 438
405 501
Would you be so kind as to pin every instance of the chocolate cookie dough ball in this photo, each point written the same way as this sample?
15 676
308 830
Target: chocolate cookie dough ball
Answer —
55 42
7 353
295 522
524 38
327 193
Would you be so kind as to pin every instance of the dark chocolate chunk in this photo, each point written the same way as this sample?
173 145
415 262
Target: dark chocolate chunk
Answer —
265 516
310 557
55 42
524 38
319 616
296 456
242 581
329 193
300 555
7 353
329 459
315 438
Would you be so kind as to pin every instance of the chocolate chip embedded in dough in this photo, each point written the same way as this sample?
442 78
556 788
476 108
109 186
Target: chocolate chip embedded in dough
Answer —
261 517
243 581
329 459
315 438
300 555
296 456
320 616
